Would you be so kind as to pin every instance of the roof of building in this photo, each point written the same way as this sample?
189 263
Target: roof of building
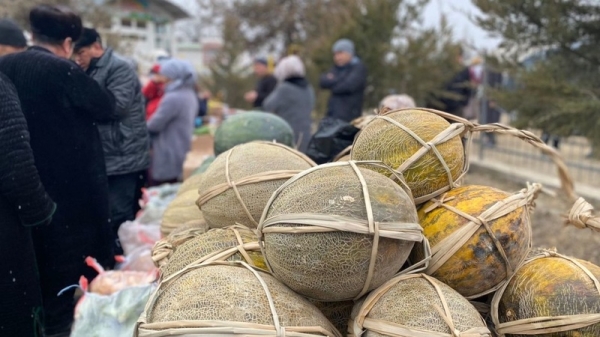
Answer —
174 11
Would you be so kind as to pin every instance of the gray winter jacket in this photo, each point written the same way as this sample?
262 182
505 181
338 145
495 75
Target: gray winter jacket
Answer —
125 139
294 100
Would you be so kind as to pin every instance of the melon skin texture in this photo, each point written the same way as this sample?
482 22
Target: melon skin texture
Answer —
250 126
338 313
551 286
384 141
333 266
477 266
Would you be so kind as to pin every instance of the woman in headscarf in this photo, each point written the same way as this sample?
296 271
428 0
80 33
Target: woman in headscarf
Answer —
293 99
394 102
172 125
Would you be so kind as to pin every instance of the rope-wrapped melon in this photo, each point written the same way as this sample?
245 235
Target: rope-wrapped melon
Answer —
190 184
204 166
182 211
416 306
163 248
229 298
421 145
338 313
238 184
234 243
479 235
337 231
551 295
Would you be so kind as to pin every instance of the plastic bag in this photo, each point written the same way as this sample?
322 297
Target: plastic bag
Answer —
110 282
154 202
134 235
138 260
331 138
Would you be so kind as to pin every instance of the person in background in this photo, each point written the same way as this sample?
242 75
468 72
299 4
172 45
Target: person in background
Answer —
459 87
23 204
172 126
347 81
394 102
62 106
124 139
153 92
12 39
265 85
293 99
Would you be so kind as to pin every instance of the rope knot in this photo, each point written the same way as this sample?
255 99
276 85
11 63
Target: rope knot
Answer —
580 213
438 202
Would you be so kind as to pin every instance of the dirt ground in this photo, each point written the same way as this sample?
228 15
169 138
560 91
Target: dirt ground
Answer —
548 226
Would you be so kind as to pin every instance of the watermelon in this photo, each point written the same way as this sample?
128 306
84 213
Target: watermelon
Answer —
205 164
250 126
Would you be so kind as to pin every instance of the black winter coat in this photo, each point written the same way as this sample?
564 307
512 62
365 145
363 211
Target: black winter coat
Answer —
347 85
125 138
62 104
23 204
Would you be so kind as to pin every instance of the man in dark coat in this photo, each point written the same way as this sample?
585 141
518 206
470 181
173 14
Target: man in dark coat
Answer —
23 205
61 105
265 85
347 81
125 139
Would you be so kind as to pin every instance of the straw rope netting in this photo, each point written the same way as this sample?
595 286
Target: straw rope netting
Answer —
163 248
550 324
442 251
352 208
216 299
581 215
425 305
231 193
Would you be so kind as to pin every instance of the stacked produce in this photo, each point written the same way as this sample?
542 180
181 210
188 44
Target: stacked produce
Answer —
385 242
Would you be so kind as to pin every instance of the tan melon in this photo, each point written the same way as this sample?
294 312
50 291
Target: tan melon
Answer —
416 305
471 260
256 170
338 313
386 139
327 255
228 299
163 248
190 184
182 211
545 289
220 244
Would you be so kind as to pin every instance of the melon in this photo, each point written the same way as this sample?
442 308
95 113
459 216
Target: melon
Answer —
317 237
344 155
204 166
338 313
411 305
385 139
190 184
256 170
229 299
163 248
182 211
225 241
546 288
250 126
464 254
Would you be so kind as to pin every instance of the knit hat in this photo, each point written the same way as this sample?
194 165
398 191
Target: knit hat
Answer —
289 66
88 37
261 60
11 34
343 45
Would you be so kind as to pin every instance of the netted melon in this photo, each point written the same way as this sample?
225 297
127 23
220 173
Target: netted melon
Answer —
163 248
204 166
344 155
392 138
416 305
182 211
319 235
228 299
479 235
252 126
238 184
338 313
235 243
190 184
551 295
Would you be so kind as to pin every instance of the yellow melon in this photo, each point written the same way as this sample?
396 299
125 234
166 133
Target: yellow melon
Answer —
427 177
477 266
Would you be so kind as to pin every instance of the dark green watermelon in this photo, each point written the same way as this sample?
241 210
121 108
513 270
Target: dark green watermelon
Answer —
204 166
250 126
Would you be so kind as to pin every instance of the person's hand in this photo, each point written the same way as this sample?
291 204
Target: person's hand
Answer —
250 96
205 95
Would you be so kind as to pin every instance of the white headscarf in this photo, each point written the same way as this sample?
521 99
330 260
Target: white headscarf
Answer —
394 102
289 66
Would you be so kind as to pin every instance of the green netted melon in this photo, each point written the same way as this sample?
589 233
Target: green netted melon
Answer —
211 242
413 303
225 296
204 166
477 267
550 286
250 126
384 141
333 266
338 313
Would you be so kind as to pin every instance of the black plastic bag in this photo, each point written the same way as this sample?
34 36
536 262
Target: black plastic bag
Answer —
331 138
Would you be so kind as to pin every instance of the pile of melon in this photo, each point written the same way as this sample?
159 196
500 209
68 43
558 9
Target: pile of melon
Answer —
383 242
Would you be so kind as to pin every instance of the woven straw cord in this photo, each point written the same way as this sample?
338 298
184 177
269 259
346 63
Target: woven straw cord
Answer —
223 328
544 325
362 322
446 248
253 179
322 223
163 248
344 152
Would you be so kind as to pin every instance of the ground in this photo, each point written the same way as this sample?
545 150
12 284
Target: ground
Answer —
548 226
